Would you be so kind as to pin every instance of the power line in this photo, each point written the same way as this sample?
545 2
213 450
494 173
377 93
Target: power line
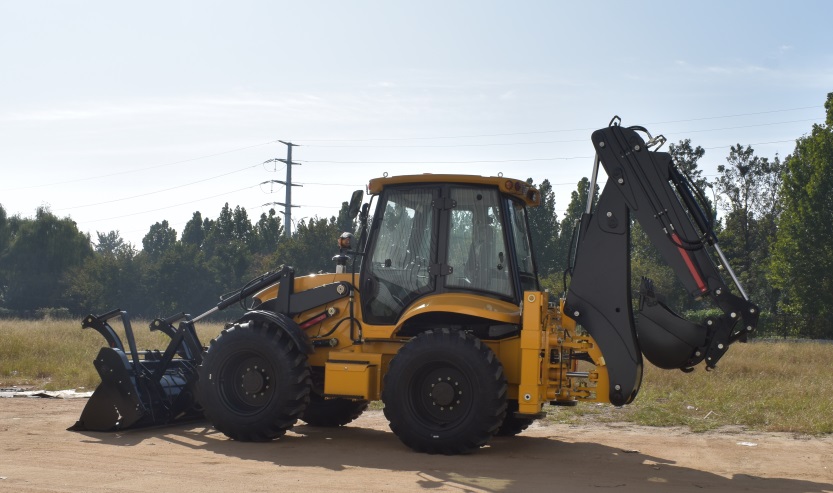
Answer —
137 170
754 144
745 126
365 162
490 144
331 184
538 132
554 131
289 162
479 161
737 115
350 185
492 161
169 206
321 206
503 144
156 191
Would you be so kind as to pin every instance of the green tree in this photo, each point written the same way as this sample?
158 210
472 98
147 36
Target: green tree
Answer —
110 278
544 228
184 281
749 188
344 222
4 230
160 238
311 247
242 227
568 225
228 246
5 239
268 232
194 231
686 158
38 254
802 259
112 243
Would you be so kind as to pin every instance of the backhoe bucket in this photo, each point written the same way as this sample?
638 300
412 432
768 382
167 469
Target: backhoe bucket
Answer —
666 339
155 388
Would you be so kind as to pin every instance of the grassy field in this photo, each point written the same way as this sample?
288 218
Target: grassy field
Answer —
58 354
768 386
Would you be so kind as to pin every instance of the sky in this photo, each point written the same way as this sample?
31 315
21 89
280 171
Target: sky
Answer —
123 114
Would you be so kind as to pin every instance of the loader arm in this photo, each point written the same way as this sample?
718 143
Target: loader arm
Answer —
646 185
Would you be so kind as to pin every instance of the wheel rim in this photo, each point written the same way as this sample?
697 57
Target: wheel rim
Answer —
441 395
247 383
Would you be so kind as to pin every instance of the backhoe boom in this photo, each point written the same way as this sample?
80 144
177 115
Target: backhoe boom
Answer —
647 186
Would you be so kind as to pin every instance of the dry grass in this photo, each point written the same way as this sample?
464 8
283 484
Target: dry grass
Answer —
771 386
58 354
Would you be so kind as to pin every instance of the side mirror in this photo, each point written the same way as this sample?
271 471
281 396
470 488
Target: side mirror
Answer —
355 204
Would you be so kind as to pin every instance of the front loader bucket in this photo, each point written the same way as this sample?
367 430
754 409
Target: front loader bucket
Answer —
115 404
155 388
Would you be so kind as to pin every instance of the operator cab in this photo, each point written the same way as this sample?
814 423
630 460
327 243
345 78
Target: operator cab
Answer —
435 234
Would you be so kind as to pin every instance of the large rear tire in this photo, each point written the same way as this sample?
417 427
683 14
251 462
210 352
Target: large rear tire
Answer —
445 393
329 412
254 382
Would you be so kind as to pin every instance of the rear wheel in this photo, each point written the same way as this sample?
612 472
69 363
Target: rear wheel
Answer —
254 382
329 412
445 392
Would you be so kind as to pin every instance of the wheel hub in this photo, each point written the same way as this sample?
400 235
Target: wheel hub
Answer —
443 393
252 381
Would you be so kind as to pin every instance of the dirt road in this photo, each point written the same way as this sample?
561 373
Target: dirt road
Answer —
38 454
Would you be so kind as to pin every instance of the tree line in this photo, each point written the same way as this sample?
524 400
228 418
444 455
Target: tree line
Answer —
48 267
775 224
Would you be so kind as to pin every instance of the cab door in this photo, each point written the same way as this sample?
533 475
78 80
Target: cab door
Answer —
478 253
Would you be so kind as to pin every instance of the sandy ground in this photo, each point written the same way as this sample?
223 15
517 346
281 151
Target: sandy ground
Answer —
38 454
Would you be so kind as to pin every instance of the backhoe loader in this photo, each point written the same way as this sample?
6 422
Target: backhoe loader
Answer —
435 309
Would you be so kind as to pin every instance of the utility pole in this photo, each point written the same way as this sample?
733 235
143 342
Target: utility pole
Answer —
287 206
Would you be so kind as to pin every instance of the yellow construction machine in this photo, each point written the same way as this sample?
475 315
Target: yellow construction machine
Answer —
436 310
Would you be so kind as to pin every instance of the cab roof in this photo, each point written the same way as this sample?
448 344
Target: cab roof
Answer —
508 186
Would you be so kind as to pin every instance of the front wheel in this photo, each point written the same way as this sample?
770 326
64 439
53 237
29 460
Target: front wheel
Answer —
254 382
445 392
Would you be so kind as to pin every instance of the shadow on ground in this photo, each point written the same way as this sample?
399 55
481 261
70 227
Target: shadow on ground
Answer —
521 463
